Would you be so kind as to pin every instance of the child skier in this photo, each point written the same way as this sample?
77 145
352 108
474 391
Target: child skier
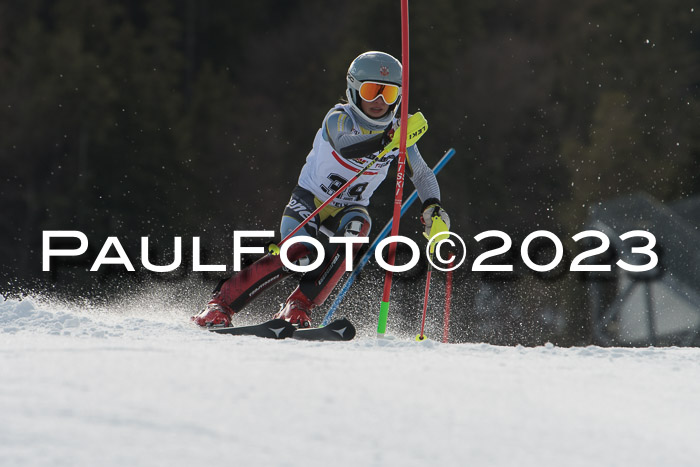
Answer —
350 136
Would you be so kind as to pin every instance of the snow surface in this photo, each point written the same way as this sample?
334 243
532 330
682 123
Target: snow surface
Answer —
123 386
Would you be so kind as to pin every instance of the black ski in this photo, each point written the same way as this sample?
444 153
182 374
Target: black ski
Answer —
338 330
273 329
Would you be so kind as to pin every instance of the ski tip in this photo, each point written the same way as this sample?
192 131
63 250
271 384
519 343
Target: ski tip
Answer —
338 330
349 329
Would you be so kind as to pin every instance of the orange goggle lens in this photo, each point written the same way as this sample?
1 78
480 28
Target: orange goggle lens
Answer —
370 91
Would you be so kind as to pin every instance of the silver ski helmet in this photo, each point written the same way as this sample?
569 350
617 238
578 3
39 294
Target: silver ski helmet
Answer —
377 67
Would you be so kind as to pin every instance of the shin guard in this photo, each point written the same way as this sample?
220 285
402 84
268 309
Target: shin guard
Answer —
318 284
241 288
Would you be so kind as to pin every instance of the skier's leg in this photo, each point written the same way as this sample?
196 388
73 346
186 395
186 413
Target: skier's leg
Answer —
316 285
236 292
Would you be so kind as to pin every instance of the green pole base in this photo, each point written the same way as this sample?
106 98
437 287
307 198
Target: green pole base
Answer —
383 315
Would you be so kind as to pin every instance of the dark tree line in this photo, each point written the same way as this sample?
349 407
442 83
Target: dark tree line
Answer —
180 117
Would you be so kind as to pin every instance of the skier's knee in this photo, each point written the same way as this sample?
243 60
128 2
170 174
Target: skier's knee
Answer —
355 223
357 227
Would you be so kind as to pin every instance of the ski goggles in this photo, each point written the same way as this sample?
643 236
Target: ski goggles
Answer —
370 92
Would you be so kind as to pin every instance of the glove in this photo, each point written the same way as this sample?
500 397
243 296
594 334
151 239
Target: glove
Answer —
436 221
417 126
388 136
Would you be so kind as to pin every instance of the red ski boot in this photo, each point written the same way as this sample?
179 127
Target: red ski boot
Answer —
297 309
216 313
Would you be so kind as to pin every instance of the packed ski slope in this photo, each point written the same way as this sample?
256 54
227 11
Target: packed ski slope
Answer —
83 386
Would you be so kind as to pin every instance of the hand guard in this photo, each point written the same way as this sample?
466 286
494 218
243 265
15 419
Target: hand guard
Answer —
436 221
417 126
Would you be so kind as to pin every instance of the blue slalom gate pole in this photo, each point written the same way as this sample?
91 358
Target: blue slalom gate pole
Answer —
382 235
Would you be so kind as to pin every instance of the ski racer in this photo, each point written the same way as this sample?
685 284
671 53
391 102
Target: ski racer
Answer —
350 136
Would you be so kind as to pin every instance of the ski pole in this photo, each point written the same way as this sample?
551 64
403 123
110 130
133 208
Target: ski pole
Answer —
448 304
362 262
437 234
421 336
